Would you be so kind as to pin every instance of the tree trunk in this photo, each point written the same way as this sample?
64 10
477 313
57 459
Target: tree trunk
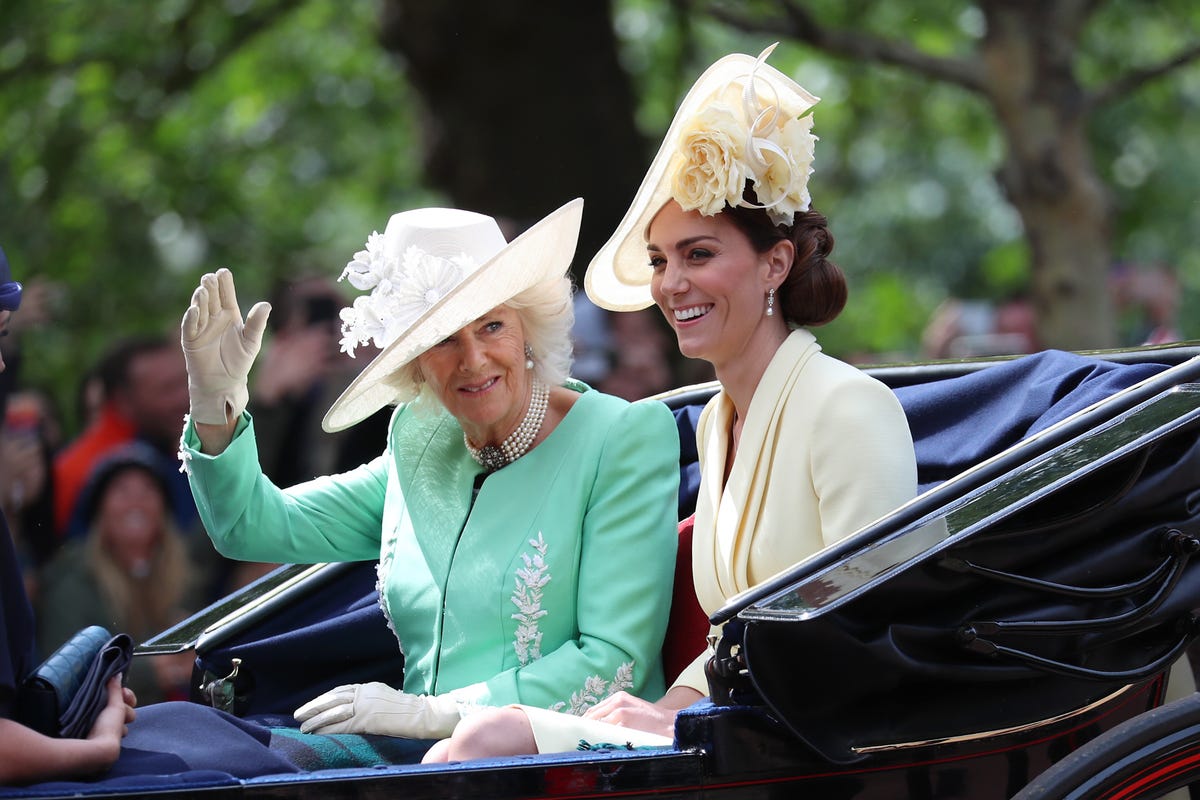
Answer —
1048 173
525 107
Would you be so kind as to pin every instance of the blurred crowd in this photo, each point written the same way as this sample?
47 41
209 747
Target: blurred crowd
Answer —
104 521
1145 299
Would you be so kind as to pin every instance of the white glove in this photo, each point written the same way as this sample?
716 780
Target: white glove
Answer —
378 708
219 349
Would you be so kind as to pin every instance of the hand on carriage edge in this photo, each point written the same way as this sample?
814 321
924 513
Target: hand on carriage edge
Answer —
505 489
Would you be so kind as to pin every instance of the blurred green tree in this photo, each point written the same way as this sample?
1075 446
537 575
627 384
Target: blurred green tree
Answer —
1044 71
142 144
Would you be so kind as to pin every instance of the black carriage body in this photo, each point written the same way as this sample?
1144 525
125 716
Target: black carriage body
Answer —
947 651
1050 580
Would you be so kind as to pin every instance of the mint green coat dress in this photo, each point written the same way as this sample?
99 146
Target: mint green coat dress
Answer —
551 588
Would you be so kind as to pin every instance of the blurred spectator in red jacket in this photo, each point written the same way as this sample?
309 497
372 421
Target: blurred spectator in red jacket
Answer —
145 397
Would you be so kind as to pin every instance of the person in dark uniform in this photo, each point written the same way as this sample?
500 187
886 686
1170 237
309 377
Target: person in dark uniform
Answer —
27 756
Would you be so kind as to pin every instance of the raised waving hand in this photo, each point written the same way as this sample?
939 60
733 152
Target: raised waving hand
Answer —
219 348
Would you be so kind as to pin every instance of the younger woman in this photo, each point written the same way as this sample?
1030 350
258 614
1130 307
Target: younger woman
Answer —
798 449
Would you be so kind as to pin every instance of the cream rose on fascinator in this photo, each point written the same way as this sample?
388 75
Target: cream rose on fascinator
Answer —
778 185
711 154
746 132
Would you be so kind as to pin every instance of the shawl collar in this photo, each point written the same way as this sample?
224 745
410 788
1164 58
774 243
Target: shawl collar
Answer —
728 516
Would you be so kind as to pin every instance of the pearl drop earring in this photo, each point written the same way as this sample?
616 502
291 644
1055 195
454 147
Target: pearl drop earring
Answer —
771 302
528 357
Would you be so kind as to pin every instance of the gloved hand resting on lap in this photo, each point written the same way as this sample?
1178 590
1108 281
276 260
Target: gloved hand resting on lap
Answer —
378 708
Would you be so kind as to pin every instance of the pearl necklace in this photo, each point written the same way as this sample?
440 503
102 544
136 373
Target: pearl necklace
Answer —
491 457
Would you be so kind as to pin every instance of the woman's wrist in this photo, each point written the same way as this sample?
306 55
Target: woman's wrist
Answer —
99 753
215 438
27 756
678 697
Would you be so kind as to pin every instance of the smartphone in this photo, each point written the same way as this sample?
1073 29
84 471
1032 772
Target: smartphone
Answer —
320 310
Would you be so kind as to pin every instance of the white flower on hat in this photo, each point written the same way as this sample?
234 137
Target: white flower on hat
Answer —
369 266
359 325
402 289
738 135
424 280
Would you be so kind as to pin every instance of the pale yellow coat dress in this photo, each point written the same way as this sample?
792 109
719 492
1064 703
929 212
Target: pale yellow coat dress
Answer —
825 450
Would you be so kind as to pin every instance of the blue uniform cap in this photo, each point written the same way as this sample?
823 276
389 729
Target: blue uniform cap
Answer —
10 290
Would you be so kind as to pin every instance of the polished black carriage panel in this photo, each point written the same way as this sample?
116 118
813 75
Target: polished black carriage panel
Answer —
747 746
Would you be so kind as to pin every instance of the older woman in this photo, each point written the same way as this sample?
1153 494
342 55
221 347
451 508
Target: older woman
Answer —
510 503
798 449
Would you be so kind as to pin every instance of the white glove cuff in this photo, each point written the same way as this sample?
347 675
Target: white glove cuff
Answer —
218 408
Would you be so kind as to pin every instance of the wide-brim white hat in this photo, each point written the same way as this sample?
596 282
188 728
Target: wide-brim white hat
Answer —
618 277
473 271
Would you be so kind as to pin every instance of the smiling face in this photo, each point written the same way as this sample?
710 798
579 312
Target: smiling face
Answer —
131 517
479 375
712 285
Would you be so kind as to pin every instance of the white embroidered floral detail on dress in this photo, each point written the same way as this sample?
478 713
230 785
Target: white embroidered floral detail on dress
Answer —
527 597
596 689
386 553
381 592
402 288
185 457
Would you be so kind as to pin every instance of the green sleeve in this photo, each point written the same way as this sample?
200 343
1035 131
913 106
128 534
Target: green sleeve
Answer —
331 518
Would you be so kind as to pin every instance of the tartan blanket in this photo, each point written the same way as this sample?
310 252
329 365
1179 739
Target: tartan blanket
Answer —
310 751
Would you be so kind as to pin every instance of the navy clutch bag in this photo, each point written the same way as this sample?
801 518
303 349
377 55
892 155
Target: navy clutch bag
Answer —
65 694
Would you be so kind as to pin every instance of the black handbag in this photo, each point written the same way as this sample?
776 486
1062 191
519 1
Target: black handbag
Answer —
66 693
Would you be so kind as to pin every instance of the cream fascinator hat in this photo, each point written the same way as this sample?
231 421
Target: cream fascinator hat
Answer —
432 271
741 121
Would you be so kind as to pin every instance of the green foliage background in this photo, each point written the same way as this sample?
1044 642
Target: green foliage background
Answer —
905 166
140 152
143 143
